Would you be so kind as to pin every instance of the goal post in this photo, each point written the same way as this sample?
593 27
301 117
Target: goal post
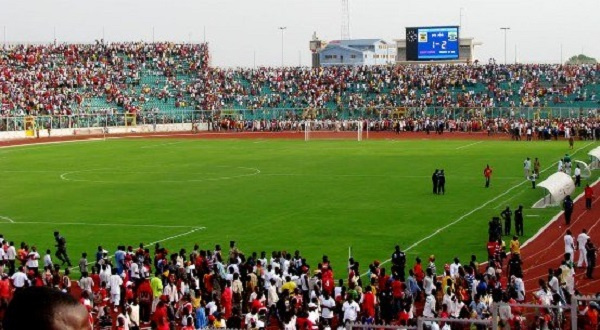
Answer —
316 129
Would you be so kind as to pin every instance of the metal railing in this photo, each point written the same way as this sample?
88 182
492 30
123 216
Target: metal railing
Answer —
111 118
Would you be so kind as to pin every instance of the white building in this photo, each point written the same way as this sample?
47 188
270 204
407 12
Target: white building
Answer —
357 52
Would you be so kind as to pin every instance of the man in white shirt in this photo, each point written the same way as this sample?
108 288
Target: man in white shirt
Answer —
519 286
48 259
429 309
11 254
19 279
581 240
327 306
454 268
350 309
527 167
577 176
86 283
32 259
114 283
569 244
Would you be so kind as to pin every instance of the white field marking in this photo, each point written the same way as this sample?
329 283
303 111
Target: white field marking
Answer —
485 204
162 144
532 215
96 224
375 176
507 200
64 176
7 219
468 145
194 229
38 145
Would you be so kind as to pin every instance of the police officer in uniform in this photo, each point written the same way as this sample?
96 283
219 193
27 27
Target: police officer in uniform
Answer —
507 215
519 220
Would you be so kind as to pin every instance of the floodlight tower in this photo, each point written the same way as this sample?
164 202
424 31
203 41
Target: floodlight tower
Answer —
345 21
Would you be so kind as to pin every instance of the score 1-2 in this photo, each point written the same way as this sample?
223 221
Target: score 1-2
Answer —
442 44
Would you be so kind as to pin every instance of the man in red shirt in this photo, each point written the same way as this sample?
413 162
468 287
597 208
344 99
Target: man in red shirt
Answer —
487 173
368 304
589 194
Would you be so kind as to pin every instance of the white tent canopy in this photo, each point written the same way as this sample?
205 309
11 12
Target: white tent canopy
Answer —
595 157
558 186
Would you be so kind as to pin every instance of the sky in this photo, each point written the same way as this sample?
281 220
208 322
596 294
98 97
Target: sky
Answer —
246 32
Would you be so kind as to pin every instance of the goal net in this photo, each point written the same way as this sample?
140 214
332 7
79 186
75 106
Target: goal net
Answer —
335 130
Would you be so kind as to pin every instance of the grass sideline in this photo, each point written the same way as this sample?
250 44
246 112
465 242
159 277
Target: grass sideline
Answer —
318 197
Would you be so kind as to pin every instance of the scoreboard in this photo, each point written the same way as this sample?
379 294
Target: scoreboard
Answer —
432 43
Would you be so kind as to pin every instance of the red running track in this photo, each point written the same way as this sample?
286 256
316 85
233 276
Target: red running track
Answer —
547 249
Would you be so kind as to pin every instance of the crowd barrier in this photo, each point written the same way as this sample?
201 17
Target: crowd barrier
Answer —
111 117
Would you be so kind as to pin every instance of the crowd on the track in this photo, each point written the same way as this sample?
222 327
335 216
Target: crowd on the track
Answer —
213 288
58 78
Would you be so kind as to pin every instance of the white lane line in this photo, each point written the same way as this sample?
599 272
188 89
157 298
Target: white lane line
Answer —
468 145
7 219
439 230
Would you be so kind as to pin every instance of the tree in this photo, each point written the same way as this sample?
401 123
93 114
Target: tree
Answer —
581 59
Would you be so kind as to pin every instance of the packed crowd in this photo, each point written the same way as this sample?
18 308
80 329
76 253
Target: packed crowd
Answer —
205 288
58 79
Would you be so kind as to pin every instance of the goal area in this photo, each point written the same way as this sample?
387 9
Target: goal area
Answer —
335 130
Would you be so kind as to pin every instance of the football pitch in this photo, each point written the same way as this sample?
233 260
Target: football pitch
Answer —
319 197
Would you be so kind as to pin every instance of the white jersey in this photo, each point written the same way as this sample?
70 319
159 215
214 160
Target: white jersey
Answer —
569 243
581 240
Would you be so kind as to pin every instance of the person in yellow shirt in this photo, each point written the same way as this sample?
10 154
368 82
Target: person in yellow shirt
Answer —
515 246
289 285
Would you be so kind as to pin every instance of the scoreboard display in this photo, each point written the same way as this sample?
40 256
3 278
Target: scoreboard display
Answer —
432 43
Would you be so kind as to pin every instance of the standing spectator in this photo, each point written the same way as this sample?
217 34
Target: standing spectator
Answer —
569 245
527 167
577 176
568 207
83 263
591 258
581 241
48 259
350 309
519 220
441 183
487 173
536 167
507 215
589 195
434 179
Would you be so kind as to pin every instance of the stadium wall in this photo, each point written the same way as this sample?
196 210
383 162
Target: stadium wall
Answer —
187 127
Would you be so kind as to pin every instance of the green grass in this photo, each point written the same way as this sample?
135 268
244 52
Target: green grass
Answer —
319 197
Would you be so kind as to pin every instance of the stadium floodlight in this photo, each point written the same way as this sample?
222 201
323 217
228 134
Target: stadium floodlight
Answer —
282 28
505 33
